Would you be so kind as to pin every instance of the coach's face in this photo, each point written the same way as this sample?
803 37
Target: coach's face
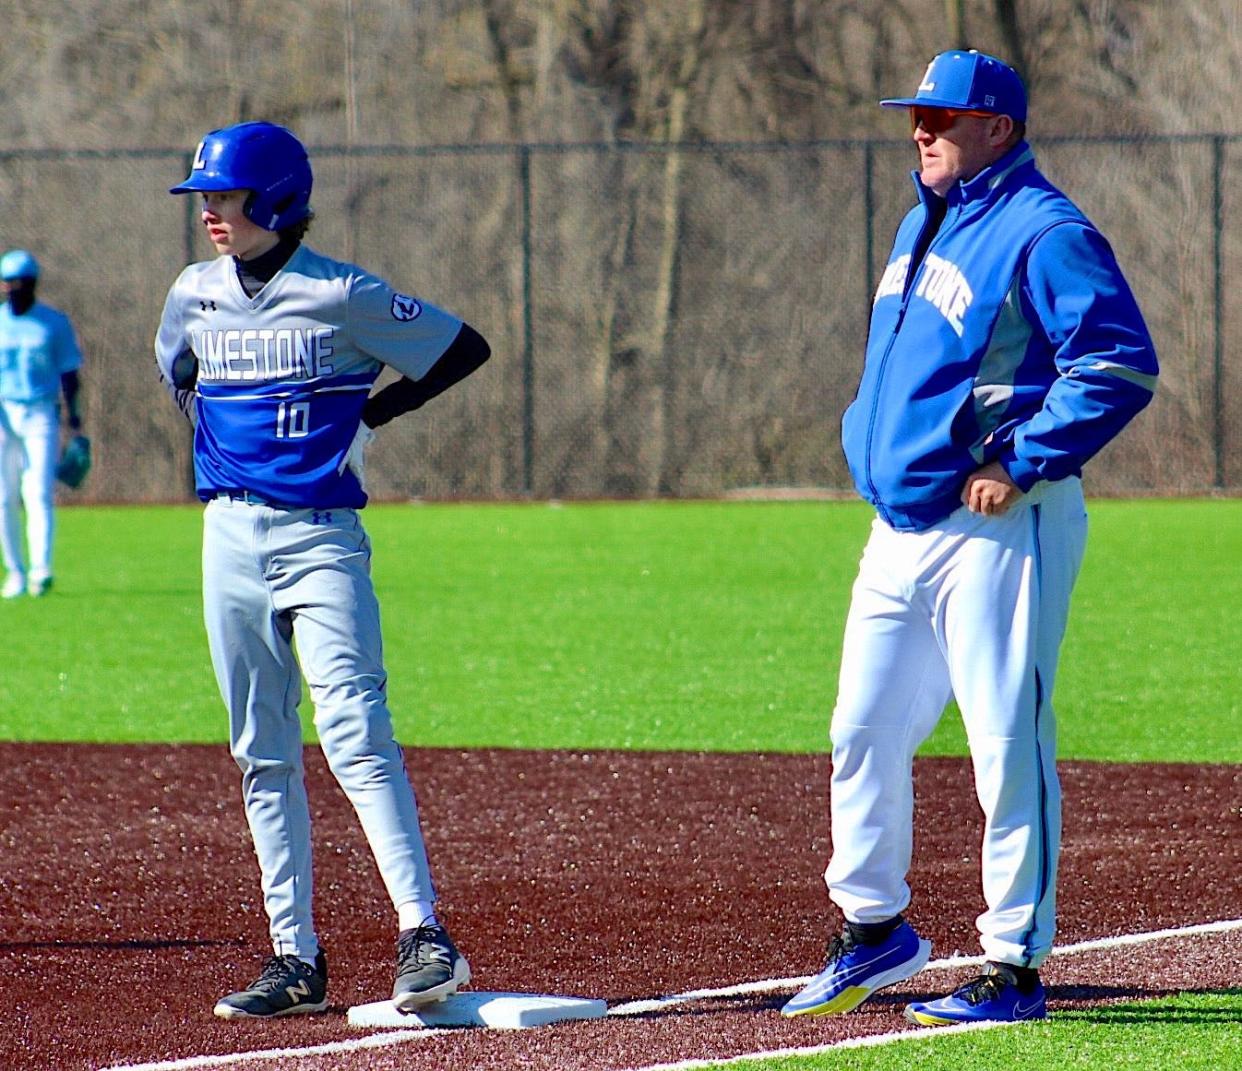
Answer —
228 228
955 146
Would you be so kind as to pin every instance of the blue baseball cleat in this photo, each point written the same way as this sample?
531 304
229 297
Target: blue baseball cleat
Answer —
854 970
997 995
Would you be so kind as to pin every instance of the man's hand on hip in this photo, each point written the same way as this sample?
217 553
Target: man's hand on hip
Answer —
990 491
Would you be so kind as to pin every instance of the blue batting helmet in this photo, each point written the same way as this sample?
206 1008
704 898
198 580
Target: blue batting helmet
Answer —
263 158
18 264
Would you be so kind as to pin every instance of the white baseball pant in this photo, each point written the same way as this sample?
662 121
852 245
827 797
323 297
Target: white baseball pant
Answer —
974 607
29 449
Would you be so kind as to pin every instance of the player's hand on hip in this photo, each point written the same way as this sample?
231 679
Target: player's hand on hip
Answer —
356 456
990 491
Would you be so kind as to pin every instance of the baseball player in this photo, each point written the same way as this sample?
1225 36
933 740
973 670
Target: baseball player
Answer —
271 350
39 360
1005 350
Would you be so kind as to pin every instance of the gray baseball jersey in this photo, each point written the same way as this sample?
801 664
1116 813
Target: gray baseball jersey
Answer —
282 376
281 380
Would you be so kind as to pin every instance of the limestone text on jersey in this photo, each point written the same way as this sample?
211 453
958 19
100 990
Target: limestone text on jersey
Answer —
943 284
264 353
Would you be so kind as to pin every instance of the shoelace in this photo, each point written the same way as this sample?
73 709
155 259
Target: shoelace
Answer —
422 946
985 987
275 972
839 946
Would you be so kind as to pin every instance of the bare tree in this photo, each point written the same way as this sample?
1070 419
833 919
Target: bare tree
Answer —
1007 22
955 20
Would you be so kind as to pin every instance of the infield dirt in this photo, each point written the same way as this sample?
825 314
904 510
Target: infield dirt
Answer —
129 898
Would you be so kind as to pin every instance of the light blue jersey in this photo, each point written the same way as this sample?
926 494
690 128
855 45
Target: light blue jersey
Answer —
36 348
283 375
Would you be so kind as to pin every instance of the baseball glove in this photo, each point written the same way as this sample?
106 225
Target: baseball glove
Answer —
75 461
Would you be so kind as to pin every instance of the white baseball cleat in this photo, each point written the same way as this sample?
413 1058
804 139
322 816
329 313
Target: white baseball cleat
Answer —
14 585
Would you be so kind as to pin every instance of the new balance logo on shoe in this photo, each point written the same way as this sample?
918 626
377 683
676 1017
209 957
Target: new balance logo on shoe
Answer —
297 992
287 985
429 968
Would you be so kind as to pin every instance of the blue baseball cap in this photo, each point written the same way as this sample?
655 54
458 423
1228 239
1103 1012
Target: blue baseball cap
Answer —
18 264
970 81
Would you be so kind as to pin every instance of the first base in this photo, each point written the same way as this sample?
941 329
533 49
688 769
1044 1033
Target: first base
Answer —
500 1011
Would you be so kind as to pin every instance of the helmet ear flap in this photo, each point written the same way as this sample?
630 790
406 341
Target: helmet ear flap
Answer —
283 204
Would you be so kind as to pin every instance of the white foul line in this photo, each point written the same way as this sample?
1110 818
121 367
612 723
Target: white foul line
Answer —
776 985
371 1041
868 1042
639 1007
894 1037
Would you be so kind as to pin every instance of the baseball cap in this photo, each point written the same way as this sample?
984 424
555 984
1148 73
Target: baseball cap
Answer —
18 264
969 81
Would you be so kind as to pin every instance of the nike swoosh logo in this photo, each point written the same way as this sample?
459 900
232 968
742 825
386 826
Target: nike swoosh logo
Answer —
845 976
1020 1012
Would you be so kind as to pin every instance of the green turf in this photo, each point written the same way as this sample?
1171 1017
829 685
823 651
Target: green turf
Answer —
664 625
1188 1032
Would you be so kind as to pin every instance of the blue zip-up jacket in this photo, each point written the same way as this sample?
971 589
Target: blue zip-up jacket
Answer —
1015 339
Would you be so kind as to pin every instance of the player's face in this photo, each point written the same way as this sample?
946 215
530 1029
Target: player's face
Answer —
956 147
17 286
228 228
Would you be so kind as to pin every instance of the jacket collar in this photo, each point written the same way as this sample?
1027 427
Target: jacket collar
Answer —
983 184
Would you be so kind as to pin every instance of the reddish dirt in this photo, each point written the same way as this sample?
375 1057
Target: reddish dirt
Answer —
129 898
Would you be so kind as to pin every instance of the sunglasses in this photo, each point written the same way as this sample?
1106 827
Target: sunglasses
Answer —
938 120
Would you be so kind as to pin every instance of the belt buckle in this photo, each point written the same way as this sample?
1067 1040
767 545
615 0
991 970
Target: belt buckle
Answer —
248 497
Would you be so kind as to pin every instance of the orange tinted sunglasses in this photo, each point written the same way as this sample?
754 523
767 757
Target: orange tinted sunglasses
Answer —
938 120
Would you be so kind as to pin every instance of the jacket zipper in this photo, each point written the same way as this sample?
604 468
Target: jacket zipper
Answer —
906 294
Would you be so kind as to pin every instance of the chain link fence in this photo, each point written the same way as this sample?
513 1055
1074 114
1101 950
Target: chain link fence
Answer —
682 320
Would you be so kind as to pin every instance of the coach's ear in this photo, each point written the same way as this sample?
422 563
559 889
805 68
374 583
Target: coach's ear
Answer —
1000 130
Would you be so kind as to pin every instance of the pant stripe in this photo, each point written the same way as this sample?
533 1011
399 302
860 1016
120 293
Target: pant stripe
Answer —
1044 848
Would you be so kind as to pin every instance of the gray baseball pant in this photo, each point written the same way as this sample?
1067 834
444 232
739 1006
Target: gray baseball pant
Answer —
272 577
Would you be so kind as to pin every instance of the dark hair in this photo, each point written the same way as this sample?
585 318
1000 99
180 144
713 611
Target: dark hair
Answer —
297 231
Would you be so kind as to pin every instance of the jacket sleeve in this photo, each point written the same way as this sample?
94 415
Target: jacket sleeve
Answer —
1081 306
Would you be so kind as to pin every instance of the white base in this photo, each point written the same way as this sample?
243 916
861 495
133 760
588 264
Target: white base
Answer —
500 1011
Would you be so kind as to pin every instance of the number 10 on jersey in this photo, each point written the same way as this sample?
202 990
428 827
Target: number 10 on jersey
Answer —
292 420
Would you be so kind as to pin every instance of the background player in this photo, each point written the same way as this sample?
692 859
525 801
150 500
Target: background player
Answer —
39 359
272 350
1005 349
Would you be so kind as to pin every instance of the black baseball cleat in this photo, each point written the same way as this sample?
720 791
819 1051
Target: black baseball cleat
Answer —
287 985
429 968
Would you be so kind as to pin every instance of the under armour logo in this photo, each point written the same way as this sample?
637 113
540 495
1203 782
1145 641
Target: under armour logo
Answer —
321 517
207 305
405 307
